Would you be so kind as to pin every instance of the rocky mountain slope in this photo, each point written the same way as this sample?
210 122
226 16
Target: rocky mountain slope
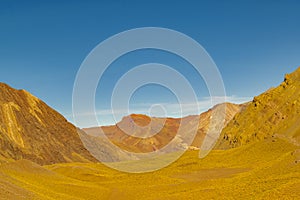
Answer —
29 129
273 114
140 133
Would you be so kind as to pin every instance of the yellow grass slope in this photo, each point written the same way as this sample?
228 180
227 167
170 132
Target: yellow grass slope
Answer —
262 170
274 113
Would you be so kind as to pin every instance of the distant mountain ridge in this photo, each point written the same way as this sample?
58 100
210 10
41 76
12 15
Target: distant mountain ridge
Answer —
158 132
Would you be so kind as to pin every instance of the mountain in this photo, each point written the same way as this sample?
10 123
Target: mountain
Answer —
29 129
273 114
149 134
266 166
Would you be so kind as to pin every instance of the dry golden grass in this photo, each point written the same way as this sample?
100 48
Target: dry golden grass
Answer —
262 170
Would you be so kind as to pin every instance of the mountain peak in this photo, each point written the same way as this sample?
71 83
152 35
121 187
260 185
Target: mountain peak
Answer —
137 119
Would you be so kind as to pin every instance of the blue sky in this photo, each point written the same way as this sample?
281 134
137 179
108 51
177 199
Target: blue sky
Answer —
43 43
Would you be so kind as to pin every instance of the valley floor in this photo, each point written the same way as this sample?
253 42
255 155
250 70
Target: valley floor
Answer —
262 170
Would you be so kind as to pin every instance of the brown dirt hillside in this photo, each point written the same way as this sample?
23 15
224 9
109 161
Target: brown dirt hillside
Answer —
273 114
29 129
158 132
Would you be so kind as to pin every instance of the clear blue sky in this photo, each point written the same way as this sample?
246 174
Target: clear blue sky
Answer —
43 43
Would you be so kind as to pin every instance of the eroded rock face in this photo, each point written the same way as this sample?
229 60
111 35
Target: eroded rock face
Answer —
273 114
29 129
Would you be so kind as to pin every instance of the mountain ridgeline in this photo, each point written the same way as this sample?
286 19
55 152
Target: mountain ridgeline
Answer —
141 134
29 129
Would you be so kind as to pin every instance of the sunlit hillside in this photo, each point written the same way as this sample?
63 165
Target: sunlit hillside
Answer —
275 113
30 129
